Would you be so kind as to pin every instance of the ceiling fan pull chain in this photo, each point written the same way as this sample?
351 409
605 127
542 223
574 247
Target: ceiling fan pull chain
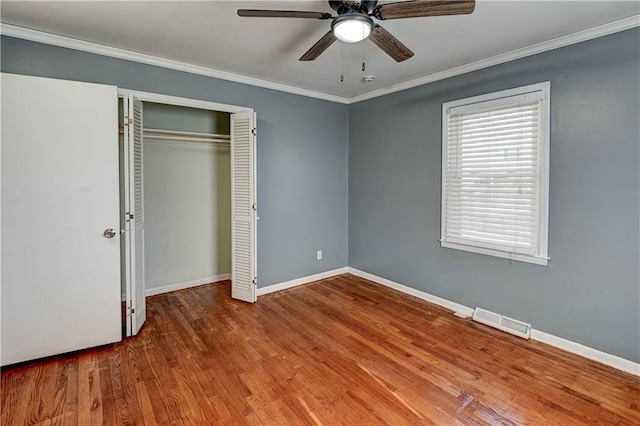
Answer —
363 37
342 62
363 65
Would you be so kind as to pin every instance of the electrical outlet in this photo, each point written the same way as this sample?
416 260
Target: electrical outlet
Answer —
319 254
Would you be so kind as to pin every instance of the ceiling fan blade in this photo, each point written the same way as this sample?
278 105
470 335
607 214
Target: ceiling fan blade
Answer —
418 8
256 13
318 48
389 44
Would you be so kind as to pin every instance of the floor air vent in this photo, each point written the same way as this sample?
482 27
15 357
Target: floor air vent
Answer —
503 323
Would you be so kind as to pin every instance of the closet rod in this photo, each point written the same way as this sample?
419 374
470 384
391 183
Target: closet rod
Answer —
178 136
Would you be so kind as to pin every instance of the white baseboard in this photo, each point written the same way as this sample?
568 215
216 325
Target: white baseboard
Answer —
587 352
558 342
300 281
455 307
186 284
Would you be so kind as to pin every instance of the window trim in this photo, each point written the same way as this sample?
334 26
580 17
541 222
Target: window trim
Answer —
544 89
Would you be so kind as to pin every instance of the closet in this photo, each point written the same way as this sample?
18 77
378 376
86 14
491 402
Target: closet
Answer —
72 221
187 197
184 172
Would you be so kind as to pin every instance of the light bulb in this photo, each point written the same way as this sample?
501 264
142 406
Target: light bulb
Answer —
352 28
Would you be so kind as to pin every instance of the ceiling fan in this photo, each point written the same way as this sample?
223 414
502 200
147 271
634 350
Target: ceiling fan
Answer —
354 21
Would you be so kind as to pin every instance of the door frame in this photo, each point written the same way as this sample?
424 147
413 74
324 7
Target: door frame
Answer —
185 102
194 103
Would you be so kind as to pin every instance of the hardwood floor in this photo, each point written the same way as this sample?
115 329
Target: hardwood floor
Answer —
340 351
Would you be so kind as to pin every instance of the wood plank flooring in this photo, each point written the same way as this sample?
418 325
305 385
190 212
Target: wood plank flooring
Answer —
339 351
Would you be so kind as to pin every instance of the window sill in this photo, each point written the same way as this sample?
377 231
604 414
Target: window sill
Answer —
496 253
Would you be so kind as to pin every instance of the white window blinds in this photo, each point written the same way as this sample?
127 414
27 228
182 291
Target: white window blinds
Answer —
495 174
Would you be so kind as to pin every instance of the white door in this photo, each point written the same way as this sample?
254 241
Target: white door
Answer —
60 217
243 206
136 311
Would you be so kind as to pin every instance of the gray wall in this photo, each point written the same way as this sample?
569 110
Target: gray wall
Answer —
302 151
590 292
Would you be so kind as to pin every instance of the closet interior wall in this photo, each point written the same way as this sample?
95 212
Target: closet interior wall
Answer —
187 196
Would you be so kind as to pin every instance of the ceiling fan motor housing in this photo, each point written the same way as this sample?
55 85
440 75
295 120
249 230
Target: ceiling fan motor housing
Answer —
346 6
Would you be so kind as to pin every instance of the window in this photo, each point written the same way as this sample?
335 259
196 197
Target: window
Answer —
495 174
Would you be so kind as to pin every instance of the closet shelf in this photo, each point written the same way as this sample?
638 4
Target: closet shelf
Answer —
173 136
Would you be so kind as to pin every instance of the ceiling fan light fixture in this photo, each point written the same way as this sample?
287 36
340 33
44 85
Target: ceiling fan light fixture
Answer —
352 28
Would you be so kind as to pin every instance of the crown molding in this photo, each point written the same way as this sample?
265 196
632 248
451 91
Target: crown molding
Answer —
100 49
114 52
577 37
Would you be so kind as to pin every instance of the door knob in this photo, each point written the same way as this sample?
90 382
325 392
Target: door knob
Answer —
109 233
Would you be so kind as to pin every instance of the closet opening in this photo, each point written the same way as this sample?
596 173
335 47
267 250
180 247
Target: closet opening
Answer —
188 200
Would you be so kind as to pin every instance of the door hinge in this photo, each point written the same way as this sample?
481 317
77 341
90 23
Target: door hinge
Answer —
132 311
255 206
255 281
254 131
129 216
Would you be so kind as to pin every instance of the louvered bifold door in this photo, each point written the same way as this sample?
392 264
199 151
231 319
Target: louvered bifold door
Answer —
243 207
134 216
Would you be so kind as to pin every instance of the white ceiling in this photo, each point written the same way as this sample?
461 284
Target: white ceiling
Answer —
211 35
